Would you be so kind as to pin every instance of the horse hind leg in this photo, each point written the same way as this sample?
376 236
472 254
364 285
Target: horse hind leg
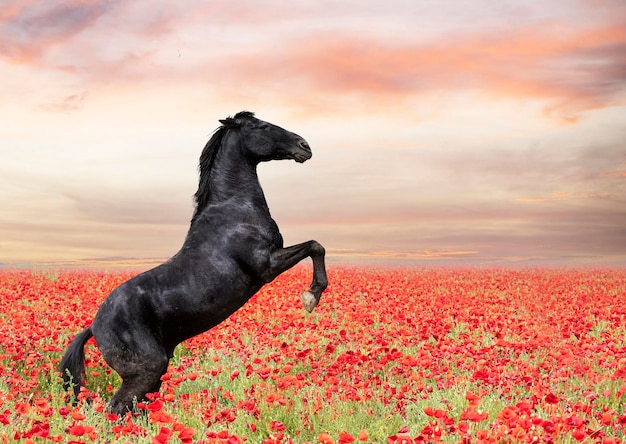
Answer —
140 374
133 389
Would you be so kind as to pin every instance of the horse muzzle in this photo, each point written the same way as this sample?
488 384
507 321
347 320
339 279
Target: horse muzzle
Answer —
302 152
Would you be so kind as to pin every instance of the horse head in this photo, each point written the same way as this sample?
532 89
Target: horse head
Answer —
253 139
263 141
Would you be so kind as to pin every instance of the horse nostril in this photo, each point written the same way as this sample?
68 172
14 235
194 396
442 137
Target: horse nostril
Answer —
304 144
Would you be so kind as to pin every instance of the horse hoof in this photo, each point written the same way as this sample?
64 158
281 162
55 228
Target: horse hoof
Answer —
309 302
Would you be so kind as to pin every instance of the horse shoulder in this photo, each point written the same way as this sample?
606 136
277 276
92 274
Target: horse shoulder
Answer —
243 234
251 245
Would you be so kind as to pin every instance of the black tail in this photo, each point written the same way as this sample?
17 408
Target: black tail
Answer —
73 363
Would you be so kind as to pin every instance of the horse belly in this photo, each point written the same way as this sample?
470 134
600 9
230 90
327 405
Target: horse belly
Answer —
172 302
207 304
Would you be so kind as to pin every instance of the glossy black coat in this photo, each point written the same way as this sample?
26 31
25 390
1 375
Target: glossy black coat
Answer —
232 249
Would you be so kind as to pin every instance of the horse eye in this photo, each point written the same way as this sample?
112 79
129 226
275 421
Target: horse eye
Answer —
264 126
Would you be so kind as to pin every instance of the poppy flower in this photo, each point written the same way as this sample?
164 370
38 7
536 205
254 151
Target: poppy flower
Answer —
551 398
345 438
325 438
480 335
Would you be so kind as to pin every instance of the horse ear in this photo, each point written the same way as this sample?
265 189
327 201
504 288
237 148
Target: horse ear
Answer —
230 122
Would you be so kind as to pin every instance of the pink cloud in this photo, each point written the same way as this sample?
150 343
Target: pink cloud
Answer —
28 29
615 174
573 71
563 196
67 104
570 67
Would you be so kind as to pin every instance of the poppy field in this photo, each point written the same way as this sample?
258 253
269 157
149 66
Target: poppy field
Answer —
390 355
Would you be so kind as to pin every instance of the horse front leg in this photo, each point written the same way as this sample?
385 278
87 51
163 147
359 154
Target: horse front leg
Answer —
283 259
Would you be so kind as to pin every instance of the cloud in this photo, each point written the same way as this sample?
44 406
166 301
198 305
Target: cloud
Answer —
555 233
149 208
615 174
236 50
29 29
563 196
572 72
418 116
544 199
67 104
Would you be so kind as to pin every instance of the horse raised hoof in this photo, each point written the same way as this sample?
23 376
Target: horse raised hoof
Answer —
309 301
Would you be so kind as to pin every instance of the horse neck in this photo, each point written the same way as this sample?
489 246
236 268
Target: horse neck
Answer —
234 176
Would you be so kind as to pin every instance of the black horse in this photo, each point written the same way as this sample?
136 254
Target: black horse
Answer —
232 249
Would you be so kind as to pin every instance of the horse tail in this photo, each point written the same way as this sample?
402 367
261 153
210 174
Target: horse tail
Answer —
72 365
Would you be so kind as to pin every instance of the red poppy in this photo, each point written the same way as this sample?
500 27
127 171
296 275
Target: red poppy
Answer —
508 415
325 438
163 437
77 430
551 398
345 438
511 335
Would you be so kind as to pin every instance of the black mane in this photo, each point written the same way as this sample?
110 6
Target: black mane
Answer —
208 155
206 163
243 115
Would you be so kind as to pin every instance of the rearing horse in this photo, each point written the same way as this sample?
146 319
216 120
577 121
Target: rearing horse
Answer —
232 249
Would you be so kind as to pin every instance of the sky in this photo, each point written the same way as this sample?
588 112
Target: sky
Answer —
443 132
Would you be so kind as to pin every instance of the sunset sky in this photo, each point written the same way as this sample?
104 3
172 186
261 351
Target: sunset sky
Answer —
443 132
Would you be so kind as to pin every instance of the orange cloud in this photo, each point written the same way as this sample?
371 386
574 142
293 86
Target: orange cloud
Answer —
570 67
575 73
615 174
563 196
532 199
573 70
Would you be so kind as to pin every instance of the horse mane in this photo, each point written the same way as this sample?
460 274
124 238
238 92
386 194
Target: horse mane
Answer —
201 197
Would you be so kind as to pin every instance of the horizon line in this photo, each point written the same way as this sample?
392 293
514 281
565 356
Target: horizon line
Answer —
343 259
